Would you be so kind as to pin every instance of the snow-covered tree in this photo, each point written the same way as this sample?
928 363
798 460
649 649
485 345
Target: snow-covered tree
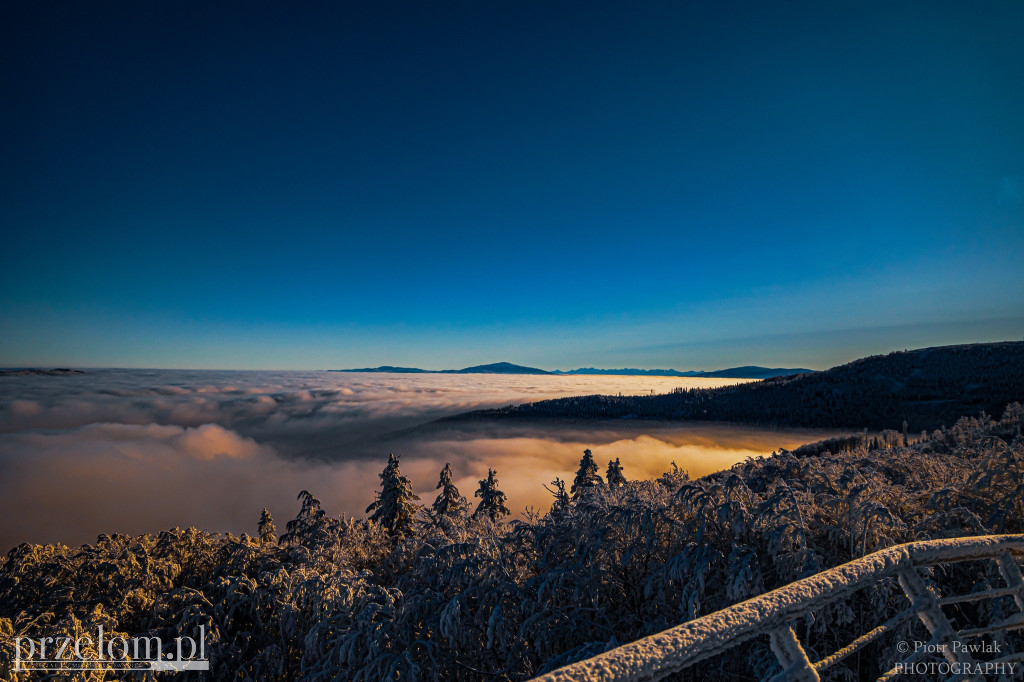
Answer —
614 474
675 477
492 500
561 503
511 601
586 476
267 529
450 502
395 507
312 527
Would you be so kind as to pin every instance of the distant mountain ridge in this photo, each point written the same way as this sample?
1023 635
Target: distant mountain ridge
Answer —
58 372
388 369
924 389
755 372
493 368
745 372
496 368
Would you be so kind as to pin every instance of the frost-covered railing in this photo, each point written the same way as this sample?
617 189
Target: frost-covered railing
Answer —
673 650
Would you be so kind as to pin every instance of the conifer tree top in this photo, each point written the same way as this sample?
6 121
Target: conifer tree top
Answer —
450 501
586 476
615 475
395 506
492 500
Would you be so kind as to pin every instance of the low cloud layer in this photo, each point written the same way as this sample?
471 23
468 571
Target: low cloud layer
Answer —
139 451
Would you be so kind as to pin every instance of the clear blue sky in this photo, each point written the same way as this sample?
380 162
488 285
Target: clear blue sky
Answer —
311 185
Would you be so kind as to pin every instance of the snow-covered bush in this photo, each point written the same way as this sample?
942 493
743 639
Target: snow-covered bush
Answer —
436 594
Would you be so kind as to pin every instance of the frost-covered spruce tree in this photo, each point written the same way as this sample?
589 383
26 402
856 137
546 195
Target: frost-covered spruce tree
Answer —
267 529
614 474
450 502
492 500
586 476
394 508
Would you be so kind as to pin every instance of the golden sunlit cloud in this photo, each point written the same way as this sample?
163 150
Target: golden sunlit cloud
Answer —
122 454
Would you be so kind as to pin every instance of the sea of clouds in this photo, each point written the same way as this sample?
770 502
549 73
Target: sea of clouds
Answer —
136 451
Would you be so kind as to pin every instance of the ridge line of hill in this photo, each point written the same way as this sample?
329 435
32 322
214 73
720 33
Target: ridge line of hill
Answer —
923 389
744 372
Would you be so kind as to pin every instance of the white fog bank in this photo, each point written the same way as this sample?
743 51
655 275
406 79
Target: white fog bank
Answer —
137 451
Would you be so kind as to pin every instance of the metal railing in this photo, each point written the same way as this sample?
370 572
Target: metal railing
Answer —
772 614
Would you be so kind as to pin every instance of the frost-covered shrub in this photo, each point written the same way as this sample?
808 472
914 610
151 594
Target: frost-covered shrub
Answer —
435 594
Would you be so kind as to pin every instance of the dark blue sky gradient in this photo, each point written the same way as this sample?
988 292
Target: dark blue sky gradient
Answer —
560 184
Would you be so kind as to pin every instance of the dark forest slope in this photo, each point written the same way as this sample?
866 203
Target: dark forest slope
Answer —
927 388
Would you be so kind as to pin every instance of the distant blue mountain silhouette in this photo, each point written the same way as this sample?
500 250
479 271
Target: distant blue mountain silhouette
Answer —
388 369
494 368
745 372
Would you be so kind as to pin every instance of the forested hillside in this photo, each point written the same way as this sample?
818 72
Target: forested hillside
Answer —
924 388
439 593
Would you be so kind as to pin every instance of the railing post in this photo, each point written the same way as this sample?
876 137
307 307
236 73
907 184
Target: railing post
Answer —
792 657
660 655
1010 571
930 613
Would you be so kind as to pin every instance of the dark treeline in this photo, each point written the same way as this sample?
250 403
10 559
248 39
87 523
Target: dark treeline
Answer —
923 388
455 590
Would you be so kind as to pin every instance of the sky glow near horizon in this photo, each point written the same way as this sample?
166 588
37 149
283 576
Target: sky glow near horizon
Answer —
676 185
